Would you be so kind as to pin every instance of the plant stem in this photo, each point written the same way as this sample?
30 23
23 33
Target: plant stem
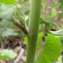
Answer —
35 7
21 27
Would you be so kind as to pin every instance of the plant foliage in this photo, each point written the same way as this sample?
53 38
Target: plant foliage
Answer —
51 50
7 1
7 54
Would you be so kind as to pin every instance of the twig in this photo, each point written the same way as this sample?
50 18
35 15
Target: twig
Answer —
24 58
19 56
19 25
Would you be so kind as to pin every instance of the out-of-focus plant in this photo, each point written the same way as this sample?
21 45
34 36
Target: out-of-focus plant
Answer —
6 20
7 1
36 50
7 54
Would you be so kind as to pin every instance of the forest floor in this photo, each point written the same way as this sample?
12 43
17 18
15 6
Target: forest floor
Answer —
17 45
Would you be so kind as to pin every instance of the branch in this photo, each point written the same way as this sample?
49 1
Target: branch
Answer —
19 56
21 27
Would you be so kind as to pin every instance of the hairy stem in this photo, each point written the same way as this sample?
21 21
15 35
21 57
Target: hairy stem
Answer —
35 7
21 27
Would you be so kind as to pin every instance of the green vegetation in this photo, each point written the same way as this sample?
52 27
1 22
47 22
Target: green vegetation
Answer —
39 28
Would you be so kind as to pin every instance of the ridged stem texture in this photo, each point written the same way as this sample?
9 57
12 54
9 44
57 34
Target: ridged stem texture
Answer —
35 8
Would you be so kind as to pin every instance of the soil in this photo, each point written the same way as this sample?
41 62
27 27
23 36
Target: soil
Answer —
17 45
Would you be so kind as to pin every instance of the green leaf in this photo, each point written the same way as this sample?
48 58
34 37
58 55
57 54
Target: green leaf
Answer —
57 33
9 32
48 18
3 57
39 41
60 59
7 54
18 17
25 40
51 50
7 1
6 10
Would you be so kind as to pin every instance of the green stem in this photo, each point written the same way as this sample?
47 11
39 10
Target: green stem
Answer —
35 7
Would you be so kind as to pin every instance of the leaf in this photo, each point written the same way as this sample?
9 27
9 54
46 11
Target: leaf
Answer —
6 10
57 33
51 50
39 41
49 18
17 16
9 32
7 1
25 40
60 59
7 54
